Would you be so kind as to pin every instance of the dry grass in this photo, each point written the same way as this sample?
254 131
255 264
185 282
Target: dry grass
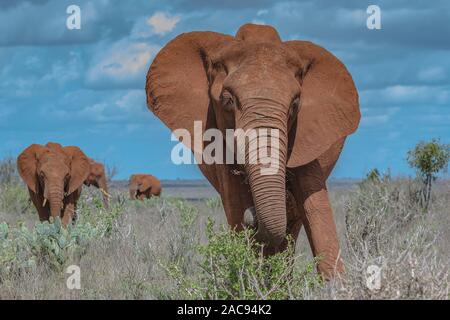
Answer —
378 224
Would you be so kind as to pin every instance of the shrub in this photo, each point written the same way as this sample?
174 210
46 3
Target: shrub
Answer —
8 171
385 228
14 198
231 266
214 203
428 158
22 248
373 175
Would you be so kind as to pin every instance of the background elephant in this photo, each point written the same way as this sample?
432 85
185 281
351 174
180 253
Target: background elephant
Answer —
97 178
254 80
144 186
54 176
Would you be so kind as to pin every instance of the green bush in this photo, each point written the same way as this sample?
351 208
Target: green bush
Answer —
428 159
231 266
8 171
48 242
214 203
14 198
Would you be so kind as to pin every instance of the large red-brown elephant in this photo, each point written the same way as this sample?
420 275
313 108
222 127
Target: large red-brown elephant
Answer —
97 178
144 186
255 80
54 175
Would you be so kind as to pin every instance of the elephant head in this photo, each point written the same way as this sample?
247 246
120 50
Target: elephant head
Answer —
97 178
54 172
250 81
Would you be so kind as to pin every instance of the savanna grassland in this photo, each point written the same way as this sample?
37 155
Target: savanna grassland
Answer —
178 246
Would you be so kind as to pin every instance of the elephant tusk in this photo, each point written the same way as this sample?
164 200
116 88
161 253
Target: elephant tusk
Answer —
45 202
105 193
249 220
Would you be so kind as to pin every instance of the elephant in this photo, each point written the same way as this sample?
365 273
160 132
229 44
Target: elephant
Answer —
254 80
144 186
97 178
54 175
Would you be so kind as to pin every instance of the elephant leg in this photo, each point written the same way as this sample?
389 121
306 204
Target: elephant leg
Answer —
234 191
38 200
69 213
310 192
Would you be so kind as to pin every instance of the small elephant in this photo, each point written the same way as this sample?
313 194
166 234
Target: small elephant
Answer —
54 175
97 178
144 186
253 81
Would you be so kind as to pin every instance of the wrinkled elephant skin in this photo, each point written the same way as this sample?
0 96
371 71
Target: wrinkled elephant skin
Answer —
54 175
255 80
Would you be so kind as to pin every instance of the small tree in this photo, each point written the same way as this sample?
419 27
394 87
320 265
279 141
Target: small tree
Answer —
111 172
428 158
374 175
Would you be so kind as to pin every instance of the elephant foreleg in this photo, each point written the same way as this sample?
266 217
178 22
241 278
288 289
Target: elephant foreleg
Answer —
294 220
234 191
141 196
312 195
69 213
38 200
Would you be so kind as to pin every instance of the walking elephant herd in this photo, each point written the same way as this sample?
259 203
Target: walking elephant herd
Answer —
55 176
249 81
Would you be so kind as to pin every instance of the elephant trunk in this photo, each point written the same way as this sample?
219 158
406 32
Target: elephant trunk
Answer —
55 199
266 178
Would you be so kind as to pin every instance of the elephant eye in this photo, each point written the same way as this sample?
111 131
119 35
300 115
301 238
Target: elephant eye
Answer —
227 100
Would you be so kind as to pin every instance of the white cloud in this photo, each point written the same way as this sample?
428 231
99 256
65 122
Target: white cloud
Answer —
377 119
132 101
162 23
403 92
406 96
347 17
125 63
262 12
432 74
258 21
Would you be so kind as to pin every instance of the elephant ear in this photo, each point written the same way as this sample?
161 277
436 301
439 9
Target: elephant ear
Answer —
79 167
329 104
27 165
177 83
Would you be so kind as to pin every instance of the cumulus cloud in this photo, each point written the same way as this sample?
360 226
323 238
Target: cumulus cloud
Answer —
432 74
377 117
406 96
124 64
162 23
102 107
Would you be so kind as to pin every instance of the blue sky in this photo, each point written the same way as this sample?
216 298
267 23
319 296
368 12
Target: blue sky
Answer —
86 87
